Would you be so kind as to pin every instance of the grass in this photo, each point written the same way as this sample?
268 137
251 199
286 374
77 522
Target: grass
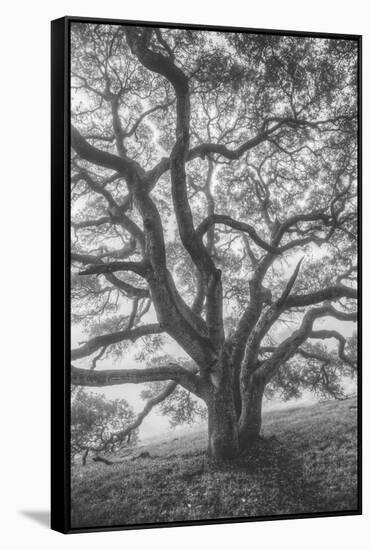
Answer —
306 462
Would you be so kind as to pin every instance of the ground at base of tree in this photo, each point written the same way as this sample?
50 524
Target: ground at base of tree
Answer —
306 462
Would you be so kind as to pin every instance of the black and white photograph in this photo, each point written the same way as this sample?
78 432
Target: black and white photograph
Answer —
213 184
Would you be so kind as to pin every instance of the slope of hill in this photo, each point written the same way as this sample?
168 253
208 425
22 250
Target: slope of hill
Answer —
305 462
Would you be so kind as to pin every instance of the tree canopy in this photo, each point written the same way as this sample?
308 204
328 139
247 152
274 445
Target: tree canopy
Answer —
214 204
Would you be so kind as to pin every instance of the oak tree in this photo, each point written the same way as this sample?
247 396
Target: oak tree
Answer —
100 425
214 204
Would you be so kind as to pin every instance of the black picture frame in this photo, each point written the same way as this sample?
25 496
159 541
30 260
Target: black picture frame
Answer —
60 273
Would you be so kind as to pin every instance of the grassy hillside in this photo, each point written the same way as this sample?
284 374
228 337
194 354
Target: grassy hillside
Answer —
306 462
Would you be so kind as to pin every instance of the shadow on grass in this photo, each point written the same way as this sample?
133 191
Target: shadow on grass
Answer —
302 464
264 453
42 517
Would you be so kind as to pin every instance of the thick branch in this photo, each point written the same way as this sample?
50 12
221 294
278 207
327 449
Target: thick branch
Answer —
289 346
91 223
329 293
204 149
96 265
324 334
264 324
111 377
240 226
95 262
112 267
254 309
114 338
246 228
316 215
300 351
125 167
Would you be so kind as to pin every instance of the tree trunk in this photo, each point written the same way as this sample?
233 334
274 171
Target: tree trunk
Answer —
84 457
222 419
251 414
236 390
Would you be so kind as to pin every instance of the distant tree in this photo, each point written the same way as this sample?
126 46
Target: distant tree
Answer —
99 425
214 204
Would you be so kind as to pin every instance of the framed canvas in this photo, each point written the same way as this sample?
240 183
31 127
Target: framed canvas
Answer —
205 268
